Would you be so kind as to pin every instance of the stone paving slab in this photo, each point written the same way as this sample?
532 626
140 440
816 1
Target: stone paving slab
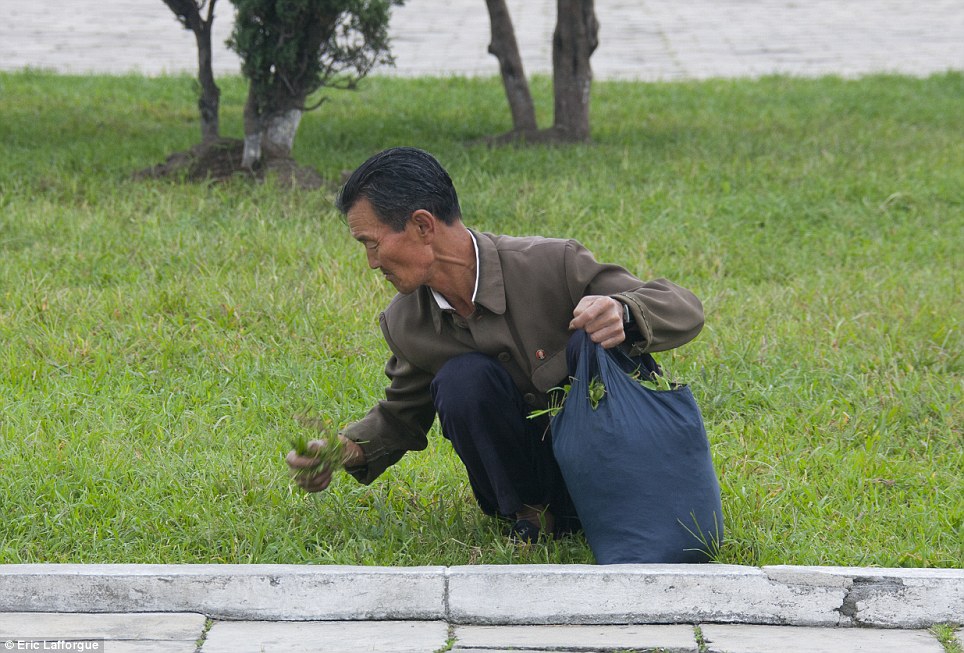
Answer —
314 636
459 649
145 646
795 639
151 626
601 648
119 633
676 638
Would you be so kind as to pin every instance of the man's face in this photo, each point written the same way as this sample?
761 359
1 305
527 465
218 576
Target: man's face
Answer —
403 257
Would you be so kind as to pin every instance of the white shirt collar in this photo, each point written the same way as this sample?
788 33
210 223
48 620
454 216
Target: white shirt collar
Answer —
444 303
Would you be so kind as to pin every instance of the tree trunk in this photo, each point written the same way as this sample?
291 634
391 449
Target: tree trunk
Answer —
505 48
209 101
188 12
278 135
269 136
252 131
575 39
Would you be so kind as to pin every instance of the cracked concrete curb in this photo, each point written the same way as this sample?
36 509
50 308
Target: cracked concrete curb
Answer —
906 598
512 594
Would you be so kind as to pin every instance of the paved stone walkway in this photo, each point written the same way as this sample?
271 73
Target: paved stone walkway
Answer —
639 39
481 608
194 633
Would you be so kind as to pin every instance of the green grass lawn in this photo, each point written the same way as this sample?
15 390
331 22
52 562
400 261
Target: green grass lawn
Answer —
158 337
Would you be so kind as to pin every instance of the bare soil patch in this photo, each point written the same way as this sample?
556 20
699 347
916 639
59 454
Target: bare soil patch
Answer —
221 159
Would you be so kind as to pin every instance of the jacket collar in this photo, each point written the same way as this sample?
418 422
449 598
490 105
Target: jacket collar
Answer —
490 293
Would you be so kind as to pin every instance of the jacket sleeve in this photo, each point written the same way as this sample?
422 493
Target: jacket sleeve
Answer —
666 315
396 424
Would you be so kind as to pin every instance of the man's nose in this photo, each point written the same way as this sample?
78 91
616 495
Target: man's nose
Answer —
373 261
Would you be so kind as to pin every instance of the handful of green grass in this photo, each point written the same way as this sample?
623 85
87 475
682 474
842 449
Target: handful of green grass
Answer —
330 454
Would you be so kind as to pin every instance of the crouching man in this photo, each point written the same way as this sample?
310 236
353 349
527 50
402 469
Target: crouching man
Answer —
478 334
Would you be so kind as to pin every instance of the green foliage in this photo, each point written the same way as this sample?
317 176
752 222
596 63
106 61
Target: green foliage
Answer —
596 391
657 383
291 48
557 397
158 337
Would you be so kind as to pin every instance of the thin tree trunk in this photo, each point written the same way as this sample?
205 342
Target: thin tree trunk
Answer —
210 99
505 48
575 39
252 131
188 12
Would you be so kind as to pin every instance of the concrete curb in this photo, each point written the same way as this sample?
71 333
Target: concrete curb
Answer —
488 595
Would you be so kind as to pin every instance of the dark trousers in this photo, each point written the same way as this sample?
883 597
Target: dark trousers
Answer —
508 457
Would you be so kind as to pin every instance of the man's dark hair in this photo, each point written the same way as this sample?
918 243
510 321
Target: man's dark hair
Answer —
399 181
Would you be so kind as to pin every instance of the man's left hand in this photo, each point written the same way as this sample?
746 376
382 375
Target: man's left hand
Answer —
602 319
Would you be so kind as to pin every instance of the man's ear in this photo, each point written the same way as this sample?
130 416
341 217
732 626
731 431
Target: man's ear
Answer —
425 224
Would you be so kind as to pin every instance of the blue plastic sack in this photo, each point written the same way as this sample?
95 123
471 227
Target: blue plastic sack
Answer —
637 465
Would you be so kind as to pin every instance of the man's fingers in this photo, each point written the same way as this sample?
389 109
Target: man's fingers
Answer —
587 310
595 311
299 461
602 319
306 469
313 481
608 337
308 473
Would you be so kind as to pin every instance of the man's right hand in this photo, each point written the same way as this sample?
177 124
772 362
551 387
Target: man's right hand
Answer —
312 477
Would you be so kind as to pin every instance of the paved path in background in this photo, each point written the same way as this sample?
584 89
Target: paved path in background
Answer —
639 39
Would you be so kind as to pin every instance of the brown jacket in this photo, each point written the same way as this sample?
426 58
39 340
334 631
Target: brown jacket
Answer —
528 289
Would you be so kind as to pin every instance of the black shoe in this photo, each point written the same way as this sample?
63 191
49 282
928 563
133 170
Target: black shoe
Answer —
524 532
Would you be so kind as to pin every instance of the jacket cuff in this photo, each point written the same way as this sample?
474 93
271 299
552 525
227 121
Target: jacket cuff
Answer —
643 332
377 460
